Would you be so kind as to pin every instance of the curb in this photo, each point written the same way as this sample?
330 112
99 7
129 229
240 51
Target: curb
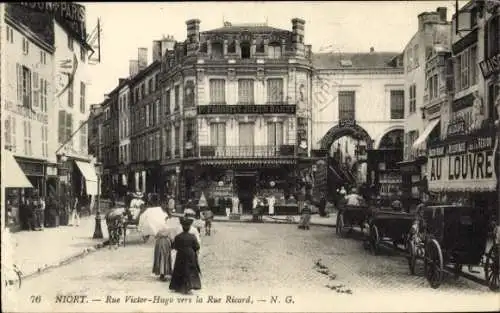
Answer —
64 261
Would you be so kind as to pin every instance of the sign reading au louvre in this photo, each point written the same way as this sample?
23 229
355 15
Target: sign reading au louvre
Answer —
467 165
246 109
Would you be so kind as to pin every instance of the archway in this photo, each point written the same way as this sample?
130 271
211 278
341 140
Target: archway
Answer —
393 139
355 131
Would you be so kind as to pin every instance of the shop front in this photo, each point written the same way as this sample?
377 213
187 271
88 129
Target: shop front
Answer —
233 184
35 171
16 185
465 170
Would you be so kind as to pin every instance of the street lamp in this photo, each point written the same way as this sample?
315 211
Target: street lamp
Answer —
98 228
177 171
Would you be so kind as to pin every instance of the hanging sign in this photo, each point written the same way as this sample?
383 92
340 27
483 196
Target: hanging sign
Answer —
467 165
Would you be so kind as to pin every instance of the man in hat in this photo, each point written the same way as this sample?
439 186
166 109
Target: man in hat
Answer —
186 273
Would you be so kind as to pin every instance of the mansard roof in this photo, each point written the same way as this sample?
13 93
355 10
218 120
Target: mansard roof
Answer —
337 60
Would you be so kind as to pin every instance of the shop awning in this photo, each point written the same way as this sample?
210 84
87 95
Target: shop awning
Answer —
13 176
88 172
427 131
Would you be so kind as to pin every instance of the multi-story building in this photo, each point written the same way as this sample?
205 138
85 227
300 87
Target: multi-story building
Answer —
425 88
124 157
358 105
110 179
236 104
95 139
462 163
145 119
47 56
27 100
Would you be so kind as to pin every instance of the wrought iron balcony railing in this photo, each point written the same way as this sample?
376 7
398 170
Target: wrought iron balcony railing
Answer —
247 151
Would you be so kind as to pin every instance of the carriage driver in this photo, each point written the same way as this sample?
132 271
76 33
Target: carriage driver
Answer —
353 198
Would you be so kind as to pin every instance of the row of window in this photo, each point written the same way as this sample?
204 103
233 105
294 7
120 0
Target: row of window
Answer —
43 55
246 91
146 116
275 134
11 141
146 88
147 148
274 49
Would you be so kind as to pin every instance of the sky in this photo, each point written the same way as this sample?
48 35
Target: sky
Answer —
345 26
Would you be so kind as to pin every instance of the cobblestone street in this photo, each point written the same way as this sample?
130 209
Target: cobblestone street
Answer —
260 260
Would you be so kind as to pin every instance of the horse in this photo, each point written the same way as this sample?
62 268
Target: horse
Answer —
119 219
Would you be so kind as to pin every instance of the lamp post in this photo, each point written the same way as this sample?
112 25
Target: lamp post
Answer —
98 228
177 171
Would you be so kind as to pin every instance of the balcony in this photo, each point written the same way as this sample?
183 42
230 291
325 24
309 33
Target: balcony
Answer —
256 152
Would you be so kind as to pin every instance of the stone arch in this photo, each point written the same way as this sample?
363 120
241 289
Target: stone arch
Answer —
339 131
389 131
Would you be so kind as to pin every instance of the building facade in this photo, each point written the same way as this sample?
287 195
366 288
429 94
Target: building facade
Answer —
425 85
358 105
463 163
145 136
27 100
124 157
236 104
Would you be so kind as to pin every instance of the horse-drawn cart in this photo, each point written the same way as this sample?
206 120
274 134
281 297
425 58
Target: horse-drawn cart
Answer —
389 226
450 237
350 216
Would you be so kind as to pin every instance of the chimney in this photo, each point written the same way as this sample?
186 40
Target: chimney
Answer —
372 49
156 51
442 13
133 67
298 36
142 58
193 35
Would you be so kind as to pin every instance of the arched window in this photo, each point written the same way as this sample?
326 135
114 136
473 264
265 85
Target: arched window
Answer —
245 50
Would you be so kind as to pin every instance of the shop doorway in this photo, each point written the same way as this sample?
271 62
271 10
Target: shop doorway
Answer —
246 189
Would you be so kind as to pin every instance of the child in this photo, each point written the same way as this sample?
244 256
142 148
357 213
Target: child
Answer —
208 217
306 216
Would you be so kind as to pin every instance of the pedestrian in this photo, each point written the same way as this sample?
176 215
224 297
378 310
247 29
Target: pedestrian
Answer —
36 213
271 201
30 213
171 204
186 273
305 216
162 261
322 205
75 213
42 213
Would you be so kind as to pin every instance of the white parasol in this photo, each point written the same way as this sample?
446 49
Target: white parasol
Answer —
151 221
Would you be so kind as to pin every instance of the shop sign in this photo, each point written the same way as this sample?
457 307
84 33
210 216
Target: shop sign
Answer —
69 14
456 127
31 169
347 123
247 109
467 165
490 66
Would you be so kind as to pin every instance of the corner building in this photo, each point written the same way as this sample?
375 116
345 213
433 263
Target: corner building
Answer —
236 112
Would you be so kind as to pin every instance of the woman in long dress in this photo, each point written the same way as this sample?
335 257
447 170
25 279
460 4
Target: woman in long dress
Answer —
162 262
186 274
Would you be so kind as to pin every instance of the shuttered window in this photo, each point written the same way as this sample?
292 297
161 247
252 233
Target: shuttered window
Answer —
275 134
245 91
246 134
218 134
26 87
397 104
36 90
217 91
62 126
19 73
69 128
347 105
275 90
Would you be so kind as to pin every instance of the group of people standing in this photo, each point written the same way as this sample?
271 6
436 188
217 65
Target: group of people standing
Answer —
176 253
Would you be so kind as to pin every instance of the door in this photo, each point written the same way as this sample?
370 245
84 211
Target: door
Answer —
246 188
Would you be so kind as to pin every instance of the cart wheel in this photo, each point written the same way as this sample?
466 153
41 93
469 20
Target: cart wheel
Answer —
412 259
433 264
340 224
457 269
491 268
374 239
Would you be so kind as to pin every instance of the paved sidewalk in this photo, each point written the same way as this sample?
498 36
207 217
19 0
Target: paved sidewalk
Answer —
36 251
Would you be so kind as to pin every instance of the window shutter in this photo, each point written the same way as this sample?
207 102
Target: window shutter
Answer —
275 90
7 134
62 126
19 70
217 91
36 90
271 134
245 91
69 126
